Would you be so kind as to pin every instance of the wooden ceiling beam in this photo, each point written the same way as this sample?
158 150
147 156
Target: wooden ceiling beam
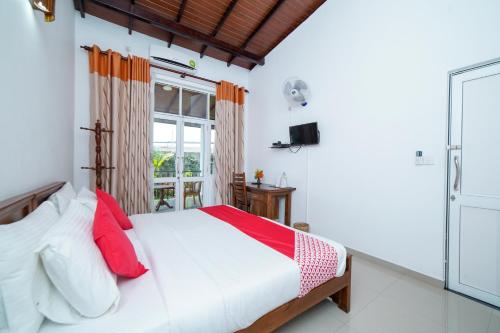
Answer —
178 19
176 28
130 18
219 25
266 18
80 7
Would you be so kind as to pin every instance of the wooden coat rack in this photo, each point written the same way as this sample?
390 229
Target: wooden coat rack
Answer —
98 130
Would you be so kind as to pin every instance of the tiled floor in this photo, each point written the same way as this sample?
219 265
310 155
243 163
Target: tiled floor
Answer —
385 301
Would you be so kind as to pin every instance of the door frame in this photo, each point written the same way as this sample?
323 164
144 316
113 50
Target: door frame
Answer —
449 165
206 179
159 76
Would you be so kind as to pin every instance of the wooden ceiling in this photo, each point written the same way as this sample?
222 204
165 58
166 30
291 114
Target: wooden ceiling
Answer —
239 32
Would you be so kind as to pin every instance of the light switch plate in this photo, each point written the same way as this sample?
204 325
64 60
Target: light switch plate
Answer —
428 160
424 160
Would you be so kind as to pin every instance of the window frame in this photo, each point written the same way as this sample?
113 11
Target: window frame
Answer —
207 123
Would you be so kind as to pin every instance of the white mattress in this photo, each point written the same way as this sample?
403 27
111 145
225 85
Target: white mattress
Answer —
141 308
205 276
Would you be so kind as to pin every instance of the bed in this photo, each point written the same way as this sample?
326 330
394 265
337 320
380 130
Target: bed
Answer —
205 275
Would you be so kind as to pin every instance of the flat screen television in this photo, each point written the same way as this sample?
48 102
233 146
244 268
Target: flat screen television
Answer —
305 134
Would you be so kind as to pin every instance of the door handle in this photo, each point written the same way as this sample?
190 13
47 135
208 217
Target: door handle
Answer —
457 173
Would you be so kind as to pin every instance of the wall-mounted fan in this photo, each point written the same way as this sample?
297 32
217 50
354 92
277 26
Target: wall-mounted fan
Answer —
296 92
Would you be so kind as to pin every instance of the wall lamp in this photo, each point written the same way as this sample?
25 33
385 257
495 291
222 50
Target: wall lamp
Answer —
48 7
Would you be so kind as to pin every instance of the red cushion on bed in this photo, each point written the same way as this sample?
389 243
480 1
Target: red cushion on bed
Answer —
114 244
115 209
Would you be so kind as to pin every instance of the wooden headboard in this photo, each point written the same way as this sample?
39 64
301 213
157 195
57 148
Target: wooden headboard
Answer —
15 208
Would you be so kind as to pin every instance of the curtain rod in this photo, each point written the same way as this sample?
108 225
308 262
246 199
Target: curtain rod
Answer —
182 74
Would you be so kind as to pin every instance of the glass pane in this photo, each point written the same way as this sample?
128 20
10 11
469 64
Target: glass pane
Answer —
193 195
212 150
212 107
194 104
193 156
166 98
164 196
164 148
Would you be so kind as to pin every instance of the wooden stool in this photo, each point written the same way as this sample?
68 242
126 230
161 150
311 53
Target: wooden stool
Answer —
301 226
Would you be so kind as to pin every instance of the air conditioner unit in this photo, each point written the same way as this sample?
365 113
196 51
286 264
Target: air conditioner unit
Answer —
164 57
173 64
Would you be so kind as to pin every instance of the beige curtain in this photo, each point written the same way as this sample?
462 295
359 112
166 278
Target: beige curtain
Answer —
120 99
229 139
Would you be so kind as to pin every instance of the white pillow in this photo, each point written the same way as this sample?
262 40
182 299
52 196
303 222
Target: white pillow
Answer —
87 198
76 268
61 198
18 264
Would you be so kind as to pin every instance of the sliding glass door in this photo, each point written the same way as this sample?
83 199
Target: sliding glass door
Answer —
183 147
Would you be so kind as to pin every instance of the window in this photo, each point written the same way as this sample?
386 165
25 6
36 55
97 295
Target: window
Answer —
166 98
212 107
212 149
183 147
193 150
164 147
194 104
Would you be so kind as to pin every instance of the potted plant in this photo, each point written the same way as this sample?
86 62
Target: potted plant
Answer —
259 174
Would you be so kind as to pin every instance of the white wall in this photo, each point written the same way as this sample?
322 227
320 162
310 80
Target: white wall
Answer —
92 30
378 73
36 94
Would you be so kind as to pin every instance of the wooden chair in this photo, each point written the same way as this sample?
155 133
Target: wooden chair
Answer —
192 189
240 197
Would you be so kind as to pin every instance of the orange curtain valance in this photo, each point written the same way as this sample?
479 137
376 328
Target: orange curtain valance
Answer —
230 92
110 63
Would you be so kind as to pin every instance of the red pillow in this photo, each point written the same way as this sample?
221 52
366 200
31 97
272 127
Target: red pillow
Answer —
115 209
114 244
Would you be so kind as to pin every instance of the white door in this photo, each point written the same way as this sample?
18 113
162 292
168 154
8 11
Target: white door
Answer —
166 158
182 149
193 175
474 183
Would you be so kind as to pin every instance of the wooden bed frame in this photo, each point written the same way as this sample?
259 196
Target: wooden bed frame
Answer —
15 208
338 289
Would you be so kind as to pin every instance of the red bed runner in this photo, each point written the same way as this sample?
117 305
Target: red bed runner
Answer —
317 259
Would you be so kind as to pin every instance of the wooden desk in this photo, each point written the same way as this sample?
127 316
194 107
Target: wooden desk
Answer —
265 200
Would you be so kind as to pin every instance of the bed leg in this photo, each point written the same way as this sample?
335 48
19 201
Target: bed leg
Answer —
344 299
343 296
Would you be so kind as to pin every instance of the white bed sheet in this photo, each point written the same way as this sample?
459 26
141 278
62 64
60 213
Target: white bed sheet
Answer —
141 308
213 277
193 284
204 288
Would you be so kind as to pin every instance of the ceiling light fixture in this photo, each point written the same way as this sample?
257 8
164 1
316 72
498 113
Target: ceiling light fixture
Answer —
48 7
167 87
